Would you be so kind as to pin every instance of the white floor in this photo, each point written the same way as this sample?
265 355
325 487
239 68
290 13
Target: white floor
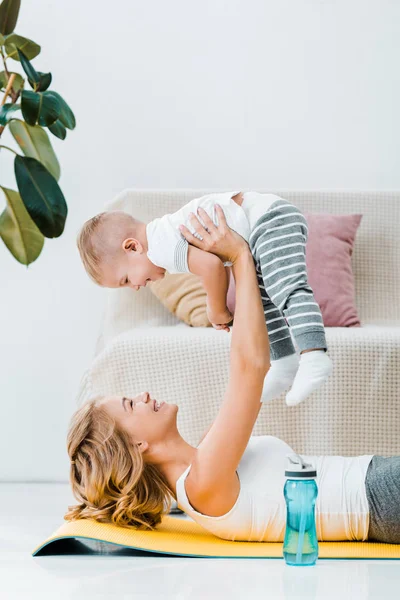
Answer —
29 513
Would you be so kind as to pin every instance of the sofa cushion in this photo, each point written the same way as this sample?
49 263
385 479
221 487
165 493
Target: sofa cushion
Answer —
355 412
330 274
328 256
183 295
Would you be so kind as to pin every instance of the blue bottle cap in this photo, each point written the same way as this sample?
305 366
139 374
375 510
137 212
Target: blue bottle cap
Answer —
297 468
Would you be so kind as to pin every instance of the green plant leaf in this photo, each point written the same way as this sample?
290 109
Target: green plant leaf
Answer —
32 74
41 195
9 10
18 231
16 42
58 130
39 107
1 40
6 112
44 82
66 117
30 106
34 142
51 109
18 81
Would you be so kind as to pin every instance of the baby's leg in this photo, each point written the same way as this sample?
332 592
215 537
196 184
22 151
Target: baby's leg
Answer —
280 340
284 360
278 242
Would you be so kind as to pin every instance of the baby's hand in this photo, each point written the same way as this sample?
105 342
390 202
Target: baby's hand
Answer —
219 320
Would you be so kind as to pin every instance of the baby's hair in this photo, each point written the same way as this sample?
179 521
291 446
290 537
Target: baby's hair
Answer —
100 239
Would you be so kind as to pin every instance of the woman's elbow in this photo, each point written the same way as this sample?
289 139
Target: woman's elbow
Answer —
256 366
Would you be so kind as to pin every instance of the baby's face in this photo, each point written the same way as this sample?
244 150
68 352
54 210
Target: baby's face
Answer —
131 269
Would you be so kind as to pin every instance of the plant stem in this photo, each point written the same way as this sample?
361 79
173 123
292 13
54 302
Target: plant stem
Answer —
14 95
8 88
10 149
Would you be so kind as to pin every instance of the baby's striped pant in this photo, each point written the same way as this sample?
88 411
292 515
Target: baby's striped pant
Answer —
278 243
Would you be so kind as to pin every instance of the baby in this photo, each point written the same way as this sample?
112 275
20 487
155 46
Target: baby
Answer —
120 251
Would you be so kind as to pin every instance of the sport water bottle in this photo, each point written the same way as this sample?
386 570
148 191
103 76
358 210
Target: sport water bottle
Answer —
300 547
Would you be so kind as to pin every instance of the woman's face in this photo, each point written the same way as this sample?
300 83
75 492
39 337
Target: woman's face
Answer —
142 417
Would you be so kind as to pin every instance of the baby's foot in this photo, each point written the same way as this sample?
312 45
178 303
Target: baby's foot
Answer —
314 369
279 377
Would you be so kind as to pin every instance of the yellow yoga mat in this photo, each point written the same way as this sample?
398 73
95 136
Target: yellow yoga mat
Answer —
177 536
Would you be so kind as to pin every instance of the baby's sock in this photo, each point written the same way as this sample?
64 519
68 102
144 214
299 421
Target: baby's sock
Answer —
315 367
279 377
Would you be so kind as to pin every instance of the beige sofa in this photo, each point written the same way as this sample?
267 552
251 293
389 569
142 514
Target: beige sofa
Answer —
143 347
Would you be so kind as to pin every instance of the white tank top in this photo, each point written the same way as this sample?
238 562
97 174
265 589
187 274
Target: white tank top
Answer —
259 513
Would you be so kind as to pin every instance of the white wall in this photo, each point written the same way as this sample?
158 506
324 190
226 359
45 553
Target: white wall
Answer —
218 93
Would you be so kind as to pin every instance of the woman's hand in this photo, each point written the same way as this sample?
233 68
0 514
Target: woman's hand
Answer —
221 241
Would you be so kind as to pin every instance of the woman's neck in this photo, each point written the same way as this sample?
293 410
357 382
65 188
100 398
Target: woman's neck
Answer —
176 456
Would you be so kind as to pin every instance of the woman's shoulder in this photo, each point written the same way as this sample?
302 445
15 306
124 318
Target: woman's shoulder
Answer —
222 498
216 502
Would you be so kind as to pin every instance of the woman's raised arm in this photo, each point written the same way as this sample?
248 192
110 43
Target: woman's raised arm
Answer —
214 469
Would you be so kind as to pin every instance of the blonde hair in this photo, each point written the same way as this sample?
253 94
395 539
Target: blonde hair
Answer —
109 477
94 246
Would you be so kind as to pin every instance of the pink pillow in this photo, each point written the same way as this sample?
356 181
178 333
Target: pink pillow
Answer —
328 256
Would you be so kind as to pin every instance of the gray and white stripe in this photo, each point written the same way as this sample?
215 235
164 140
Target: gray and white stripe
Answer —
279 336
278 244
180 256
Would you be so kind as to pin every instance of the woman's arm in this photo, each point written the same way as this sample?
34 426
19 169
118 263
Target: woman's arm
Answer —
213 471
216 285
215 279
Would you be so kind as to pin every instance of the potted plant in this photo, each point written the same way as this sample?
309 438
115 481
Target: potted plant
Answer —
37 208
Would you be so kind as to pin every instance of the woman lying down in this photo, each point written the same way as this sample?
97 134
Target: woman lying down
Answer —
128 458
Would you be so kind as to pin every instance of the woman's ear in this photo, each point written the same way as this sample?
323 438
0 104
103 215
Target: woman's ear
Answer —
143 446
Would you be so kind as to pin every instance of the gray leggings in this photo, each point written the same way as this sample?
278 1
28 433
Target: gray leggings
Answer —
383 492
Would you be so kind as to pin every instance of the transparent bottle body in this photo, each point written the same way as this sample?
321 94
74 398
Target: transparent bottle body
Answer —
300 547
